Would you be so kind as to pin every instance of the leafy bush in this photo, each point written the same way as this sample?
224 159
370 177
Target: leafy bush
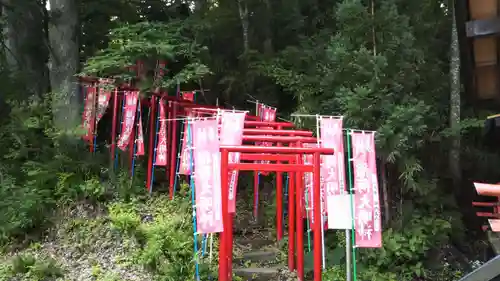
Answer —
164 229
42 168
31 268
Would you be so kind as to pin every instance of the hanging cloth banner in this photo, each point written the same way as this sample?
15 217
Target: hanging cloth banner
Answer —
268 114
338 204
102 101
208 176
308 202
161 147
88 122
185 165
140 70
128 118
366 196
231 133
140 134
188 96
158 75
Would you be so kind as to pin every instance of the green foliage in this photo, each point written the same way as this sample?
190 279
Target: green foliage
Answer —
42 168
31 268
149 41
165 234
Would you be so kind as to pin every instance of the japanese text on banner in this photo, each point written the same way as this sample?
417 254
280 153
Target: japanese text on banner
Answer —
185 165
333 174
267 114
232 134
161 146
207 176
308 202
102 103
129 113
140 135
88 122
187 140
366 197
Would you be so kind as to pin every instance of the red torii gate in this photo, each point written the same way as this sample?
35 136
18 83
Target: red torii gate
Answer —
491 190
279 154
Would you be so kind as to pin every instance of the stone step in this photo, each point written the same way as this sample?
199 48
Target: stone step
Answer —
255 243
260 256
258 273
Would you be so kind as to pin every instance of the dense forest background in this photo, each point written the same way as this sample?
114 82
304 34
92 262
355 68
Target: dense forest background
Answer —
388 65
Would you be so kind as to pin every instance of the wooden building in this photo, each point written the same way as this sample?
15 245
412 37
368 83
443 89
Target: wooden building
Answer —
478 23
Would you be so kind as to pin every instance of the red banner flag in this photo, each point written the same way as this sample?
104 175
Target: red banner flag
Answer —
187 140
128 118
102 102
267 114
308 186
208 176
188 96
338 204
161 146
88 122
366 197
231 133
140 135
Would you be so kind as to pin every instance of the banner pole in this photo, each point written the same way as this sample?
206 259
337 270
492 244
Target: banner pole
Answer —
120 129
156 135
134 156
321 205
193 201
179 154
350 233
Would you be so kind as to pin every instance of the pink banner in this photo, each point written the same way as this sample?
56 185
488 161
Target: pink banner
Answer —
140 135
102 103
308 186
267 114
366 197
88 122
333 174
232 134
185 165
208 176
161 146
128 119
188 96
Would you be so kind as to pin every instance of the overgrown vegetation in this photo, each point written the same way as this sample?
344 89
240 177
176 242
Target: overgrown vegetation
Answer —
384 66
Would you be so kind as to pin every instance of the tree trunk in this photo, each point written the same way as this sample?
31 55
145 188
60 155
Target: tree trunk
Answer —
454 156
268 43
25 46
243 10
64 62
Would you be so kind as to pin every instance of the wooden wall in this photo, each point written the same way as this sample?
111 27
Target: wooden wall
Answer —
485 51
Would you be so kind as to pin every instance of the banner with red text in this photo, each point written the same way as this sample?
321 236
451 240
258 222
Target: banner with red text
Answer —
338 205
140 134
231 133
207 178
102 103
267 114
187 140
128 119
88 118
366 196
161 145
307 200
